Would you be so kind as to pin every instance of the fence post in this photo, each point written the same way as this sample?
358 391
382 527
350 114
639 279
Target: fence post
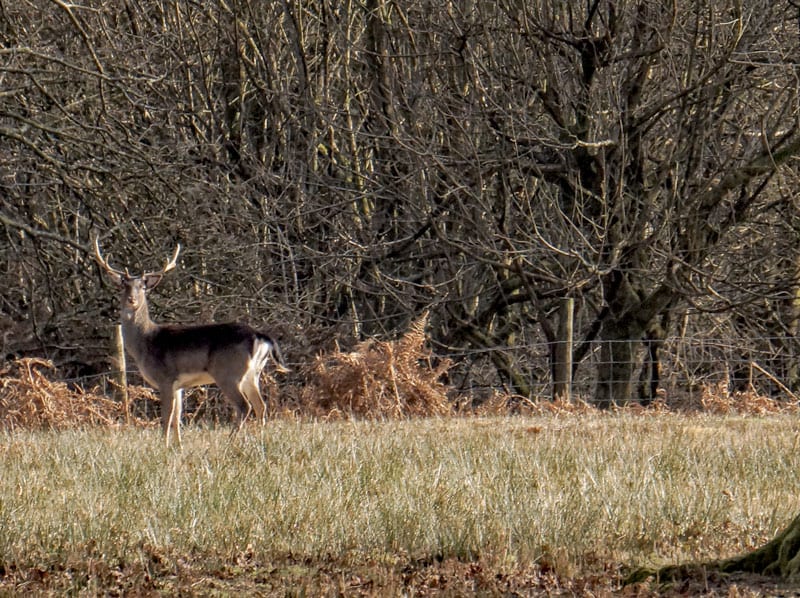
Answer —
121 390
562 365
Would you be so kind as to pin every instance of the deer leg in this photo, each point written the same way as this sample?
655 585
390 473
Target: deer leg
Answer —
171 406
177 410
249 387
166 410
239 401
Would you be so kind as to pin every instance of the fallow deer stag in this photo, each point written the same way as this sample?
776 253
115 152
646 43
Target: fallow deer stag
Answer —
172 357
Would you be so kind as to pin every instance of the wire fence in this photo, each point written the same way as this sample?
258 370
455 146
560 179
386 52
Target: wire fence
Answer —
687 367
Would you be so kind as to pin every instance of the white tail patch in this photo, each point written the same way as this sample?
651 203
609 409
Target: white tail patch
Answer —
258 360
262 349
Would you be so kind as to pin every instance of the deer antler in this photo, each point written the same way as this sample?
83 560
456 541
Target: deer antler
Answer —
118 274
170 265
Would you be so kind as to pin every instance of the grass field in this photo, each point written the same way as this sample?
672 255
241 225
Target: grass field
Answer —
527 505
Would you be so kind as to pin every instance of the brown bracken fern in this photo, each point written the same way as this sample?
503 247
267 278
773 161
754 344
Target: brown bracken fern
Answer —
380 379
31 398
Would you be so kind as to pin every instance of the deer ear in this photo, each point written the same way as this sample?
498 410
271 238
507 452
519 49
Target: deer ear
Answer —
151 280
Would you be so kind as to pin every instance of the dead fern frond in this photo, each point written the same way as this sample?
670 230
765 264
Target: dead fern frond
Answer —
31 398
380 379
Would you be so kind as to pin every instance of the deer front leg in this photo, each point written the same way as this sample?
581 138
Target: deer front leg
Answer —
171 407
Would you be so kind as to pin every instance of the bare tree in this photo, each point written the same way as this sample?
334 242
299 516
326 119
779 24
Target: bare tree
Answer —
358 164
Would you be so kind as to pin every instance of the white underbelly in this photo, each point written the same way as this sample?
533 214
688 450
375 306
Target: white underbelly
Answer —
193 379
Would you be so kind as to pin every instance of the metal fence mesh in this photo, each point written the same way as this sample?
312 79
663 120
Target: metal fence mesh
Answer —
688 366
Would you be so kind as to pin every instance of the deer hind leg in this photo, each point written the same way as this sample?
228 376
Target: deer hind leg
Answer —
238 400
251 391
260 353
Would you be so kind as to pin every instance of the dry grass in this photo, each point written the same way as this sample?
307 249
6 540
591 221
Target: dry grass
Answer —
364 488
512 504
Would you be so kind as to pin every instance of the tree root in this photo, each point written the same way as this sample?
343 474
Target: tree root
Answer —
779 557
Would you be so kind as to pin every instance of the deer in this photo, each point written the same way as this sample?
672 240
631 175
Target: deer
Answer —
173 357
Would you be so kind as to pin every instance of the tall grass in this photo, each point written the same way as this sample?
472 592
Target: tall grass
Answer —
514 490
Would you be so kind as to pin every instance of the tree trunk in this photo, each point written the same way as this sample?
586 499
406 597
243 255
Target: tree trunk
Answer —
650 377
615 371
622 329
779 557
629 316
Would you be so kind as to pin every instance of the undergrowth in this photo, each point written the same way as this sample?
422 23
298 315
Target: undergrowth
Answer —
380 380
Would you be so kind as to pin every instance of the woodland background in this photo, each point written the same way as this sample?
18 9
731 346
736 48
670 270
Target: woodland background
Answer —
334 170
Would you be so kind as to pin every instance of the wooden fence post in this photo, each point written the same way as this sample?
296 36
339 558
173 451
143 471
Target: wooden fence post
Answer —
562 365
121 390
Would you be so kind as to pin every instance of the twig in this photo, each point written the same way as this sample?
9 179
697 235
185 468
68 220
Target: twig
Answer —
780 384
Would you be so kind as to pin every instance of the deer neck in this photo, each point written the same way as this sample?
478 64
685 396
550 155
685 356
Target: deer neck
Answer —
136 327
